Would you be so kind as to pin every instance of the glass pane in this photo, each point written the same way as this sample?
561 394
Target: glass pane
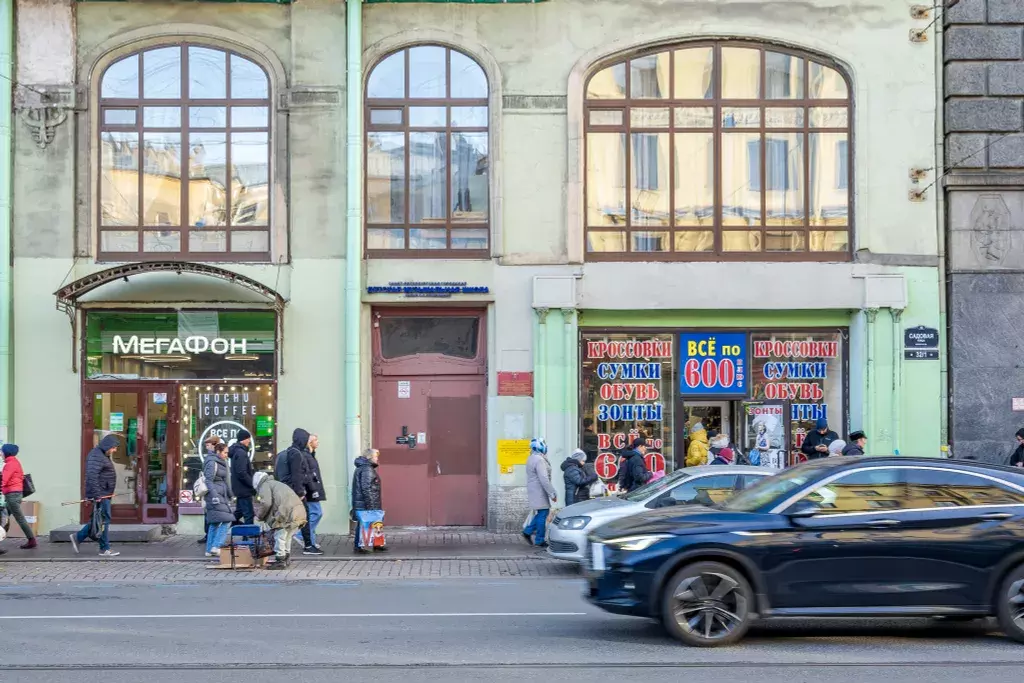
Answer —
606 179
695 179
826 83
121 79
832 240
469 239
695 117
741 73
608 84
207 186
386 117
649 170
427 65
785 76
650 241
378 238
784 166
161 187
469 117
778 117
428 171
250 241
208 117
648 77
161 241
741 179
385 179
249 117
119 185
161 73
119 240
248 80
741 240
829 117
250 179
829 166
119 117
388 78
694 68
118 415
641 117
427 239
606 241
161 117
208 240
468 79
866 491
207 73
695 240
457 337
428 117
738 117
470 177
606 117
779 240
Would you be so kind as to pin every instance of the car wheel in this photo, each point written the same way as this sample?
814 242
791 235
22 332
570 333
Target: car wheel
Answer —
707 604
1010 604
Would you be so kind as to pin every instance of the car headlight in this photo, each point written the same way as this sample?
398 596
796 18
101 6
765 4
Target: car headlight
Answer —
574 523
635 543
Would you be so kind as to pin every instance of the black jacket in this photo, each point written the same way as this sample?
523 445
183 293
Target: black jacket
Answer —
633 472
241 471
100 477
314 482
853 449
577 480
590 446
290 466
814 439
1017 456
366 493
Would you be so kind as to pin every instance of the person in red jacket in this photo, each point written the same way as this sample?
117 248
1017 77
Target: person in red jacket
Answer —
12 481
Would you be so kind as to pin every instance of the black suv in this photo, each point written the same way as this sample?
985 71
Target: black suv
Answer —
837 537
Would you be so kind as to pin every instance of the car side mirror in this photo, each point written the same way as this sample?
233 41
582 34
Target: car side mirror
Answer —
802 510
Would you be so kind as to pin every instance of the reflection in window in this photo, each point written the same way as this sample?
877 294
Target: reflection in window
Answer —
203 191
448 336
427 154
864 491
724 147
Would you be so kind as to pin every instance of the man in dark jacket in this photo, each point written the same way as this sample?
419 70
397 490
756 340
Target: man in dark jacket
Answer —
315 495
241 477
855 444
366 491
1017 457
591 444
578 477
100 482
634 472
290 466
816 443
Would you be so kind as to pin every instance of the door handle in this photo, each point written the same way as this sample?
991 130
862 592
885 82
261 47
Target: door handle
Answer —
882 523
996 515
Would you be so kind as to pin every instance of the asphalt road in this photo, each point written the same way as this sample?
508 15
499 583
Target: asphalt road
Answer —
444 630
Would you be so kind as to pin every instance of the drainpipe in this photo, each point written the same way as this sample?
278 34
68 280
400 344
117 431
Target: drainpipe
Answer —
940 214
6 256
897 379
569 330
540 360
353 222
869 413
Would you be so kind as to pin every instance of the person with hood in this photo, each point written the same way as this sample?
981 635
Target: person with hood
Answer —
100 482
633 472
716 443
12 486
578 477
278 506
315 495
591 443
816 443
836 448
1017 457
724 456
539 493
697 453
366 492
290 466
242 472
856 442
218 499
210 444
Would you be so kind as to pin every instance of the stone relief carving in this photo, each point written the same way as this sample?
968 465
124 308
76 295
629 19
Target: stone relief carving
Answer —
43 122
990 229
43 108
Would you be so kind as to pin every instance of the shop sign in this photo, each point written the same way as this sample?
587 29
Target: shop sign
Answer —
117 422
227 430
160 346
921 337
629 391
515 384
430 290
264 425
713 364
226 404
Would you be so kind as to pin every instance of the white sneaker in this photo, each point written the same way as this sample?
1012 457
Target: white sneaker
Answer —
213 553
74 542
109 553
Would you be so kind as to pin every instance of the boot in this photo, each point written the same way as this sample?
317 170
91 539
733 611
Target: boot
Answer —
279 563
30 544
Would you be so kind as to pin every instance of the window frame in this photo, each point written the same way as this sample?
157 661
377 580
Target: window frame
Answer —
717 103
184 102
448 103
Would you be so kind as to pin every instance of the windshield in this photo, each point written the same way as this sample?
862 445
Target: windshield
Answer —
653 487
770 488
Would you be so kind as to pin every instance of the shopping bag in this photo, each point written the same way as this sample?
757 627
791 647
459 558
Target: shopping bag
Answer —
97 523
28 487
370 531
598 489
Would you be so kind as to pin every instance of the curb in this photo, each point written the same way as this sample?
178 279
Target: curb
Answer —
319 558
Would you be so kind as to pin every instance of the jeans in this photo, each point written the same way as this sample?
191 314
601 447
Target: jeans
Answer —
104 538
307 539
217 535
14 507
538 525
283 541
315 513
244 511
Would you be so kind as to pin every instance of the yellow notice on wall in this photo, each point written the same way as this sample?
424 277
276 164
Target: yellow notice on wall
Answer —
512 452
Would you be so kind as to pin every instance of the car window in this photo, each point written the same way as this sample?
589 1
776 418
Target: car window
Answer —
644 492
748 480
776 488
937 488
699 491
871 490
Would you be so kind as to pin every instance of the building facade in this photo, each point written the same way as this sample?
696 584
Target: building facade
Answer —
646 223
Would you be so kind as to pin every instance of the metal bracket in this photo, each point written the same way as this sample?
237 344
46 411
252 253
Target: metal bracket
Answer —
916 196
918 36
918 174
920 11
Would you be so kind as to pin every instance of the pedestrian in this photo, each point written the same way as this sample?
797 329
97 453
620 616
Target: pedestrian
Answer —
282 510
633 472
218 499
241 477
290 465
366 492
836 448
591 444
315 495
12 486
578 477
816 443
100 482
716 442
697 453
855 444
539 492
208 448
1017 458
725 456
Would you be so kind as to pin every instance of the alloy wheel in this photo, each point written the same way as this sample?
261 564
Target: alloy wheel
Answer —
709 605
1015 600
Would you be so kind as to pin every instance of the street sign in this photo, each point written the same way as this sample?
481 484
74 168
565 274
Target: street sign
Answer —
921 337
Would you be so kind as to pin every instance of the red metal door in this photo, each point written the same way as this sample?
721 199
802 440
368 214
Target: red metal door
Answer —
455 436
398 404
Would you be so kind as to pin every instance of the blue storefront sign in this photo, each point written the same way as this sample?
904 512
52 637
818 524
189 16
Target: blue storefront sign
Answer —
713 364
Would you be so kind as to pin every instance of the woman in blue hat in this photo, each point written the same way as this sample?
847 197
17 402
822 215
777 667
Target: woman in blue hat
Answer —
12 484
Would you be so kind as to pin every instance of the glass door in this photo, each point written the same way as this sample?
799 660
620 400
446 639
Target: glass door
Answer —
159 438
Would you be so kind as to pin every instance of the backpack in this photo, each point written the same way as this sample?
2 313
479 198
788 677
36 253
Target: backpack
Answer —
281 470
200 489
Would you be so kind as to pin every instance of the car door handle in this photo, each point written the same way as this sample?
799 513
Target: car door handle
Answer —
884 522
996 515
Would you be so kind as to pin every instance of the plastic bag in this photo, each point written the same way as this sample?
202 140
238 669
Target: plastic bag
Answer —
597 489
371 529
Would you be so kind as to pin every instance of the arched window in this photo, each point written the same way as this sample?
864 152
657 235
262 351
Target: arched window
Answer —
184 156
427 161
718 150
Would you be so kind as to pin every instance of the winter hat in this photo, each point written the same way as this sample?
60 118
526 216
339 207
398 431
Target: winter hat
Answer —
9 449
579 455
836 447
638 442
726 454
858 435
1020 432
697 427
242 436
822 423
712 433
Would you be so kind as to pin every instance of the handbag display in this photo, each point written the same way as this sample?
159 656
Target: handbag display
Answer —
28 487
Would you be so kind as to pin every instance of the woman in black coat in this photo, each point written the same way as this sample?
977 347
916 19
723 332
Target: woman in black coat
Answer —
366 491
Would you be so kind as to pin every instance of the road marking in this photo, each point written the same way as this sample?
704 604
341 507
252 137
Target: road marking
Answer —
347 615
